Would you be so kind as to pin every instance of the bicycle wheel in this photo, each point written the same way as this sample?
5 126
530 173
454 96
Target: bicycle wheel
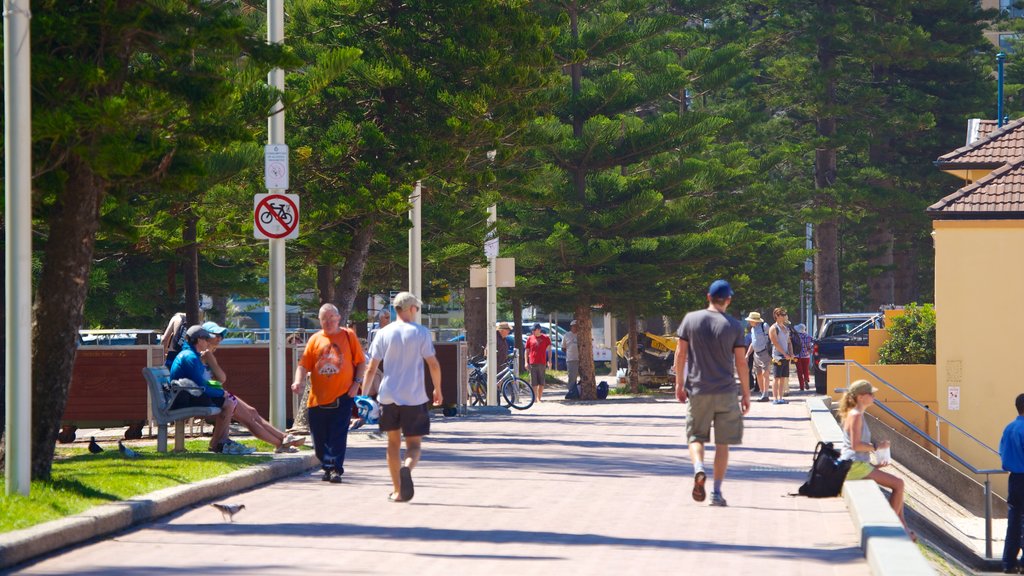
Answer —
478 394
518 393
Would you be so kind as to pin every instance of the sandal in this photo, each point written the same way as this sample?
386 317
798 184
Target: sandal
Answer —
405 482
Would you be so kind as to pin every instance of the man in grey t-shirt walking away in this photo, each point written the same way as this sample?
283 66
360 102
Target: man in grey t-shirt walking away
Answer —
403 346
709 354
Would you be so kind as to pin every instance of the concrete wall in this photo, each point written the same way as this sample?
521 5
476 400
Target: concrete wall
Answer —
977 264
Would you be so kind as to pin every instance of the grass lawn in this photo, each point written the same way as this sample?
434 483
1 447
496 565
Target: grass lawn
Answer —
81 480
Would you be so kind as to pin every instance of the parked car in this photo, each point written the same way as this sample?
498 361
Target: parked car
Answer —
836 332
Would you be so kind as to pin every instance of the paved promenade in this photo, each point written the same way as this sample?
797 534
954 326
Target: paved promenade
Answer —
562 488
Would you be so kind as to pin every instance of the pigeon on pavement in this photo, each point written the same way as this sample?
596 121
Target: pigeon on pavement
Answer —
229 510
126 451
93 446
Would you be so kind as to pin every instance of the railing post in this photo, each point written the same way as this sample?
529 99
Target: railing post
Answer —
988 516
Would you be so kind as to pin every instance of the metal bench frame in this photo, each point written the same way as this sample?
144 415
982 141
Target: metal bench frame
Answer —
156 379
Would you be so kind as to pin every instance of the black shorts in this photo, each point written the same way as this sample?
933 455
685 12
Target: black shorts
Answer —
413 420
780 368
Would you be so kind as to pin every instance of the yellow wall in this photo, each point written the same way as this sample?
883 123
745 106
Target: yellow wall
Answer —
979 281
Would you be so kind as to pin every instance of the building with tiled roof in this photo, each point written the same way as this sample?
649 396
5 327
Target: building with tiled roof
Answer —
990 149
1000 193
978 233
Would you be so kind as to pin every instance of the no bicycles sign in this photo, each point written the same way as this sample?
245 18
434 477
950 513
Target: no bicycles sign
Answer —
275 216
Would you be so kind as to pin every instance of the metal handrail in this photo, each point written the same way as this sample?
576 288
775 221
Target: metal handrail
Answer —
935 442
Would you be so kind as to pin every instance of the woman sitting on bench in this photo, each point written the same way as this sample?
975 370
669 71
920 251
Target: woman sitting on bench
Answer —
243 413
197 362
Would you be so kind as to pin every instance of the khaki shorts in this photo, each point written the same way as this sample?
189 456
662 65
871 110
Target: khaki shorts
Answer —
722 411
762 360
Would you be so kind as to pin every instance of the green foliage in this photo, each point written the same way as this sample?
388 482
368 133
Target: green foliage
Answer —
82 480
911 337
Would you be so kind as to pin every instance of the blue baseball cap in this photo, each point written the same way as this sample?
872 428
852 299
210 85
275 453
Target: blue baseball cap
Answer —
214 328
720 289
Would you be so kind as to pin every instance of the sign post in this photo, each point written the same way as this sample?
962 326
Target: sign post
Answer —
276 164
275 216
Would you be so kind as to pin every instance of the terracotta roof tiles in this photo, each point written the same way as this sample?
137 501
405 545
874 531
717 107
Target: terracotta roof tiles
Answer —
989 151
1000 194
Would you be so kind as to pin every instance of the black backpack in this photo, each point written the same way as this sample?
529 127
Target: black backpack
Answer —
827 474
796 344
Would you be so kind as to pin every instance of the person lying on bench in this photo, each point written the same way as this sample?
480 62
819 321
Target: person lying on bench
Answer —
243 413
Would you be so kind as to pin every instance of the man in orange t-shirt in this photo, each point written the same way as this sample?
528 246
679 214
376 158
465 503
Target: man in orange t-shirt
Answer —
335 363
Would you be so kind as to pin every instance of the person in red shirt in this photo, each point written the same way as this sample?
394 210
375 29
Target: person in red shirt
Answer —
536 355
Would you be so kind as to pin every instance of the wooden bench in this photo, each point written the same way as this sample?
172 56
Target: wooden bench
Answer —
159 379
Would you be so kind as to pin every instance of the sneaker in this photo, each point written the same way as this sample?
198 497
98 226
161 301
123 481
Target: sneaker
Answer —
356 424
763 399
698 486
336 478
783 401
326 476
236 449
717 500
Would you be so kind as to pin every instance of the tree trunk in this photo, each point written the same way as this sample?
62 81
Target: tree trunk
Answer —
826 267
190 258
880 279
219 312
632 351
172 286
360 306
475 314
585 335
905 272
517 318
826 234
352 272
325 283
59 304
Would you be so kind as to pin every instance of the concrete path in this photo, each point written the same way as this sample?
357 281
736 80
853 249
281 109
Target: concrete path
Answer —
580 488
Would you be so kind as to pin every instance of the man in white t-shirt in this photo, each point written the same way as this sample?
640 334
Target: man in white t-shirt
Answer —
570 342
404 346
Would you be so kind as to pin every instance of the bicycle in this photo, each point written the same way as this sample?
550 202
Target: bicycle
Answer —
517 392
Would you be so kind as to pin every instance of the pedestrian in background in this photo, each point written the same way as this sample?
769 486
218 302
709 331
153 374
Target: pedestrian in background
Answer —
1011 451
570 342
404 346
335 363
536 356
760 351
782 354
709 355
803 359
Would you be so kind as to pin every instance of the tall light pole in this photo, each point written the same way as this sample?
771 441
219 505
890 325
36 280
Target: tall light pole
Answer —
18 251
275 135
491 251
415 246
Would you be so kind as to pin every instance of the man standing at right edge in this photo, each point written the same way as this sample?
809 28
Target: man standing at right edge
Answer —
709 355
404 346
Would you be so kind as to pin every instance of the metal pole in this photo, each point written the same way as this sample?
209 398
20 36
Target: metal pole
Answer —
18 220
492 316
1000 59
275 135
809 282
988 516
415 246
